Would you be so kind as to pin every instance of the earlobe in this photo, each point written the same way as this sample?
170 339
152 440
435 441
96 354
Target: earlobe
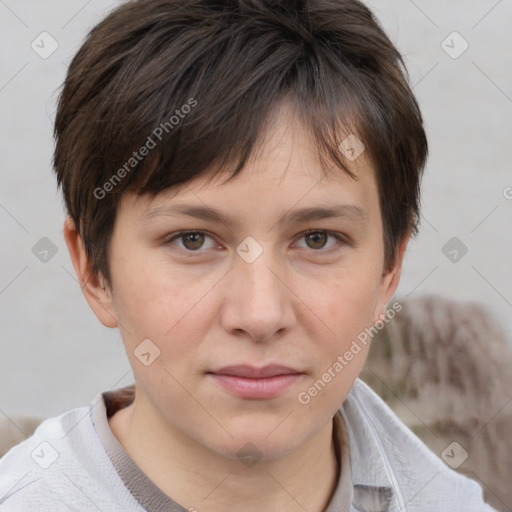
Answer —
95 292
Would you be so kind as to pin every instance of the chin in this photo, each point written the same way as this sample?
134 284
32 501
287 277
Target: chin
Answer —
250 447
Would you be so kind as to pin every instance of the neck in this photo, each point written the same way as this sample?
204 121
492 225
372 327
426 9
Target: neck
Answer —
198 478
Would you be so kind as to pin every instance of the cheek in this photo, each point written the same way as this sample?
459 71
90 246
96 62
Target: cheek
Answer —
154 296
348 307
176 311
151 304
348 311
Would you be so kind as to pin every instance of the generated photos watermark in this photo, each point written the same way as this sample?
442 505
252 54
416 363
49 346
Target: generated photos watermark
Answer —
304 397
152 141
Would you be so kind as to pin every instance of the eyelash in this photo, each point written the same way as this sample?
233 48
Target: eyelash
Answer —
338 236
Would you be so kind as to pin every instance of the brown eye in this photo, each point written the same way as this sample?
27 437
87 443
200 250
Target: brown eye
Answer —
316 240
193 241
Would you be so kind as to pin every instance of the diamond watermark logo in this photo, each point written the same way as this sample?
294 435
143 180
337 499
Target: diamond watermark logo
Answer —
44 455
44 250
249 455
146 352
352 147
44 45
454 249
249 250
454 45
454 455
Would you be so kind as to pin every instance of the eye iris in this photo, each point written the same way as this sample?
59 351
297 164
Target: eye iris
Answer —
196 238
316 237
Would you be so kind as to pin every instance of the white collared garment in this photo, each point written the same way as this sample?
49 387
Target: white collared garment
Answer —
73 462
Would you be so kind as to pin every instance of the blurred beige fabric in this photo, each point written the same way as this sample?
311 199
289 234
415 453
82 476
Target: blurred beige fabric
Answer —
445 368
15 429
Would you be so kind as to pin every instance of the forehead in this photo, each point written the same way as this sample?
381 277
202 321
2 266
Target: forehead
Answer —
284 172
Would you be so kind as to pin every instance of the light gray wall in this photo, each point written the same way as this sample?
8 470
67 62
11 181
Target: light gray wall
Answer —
55 355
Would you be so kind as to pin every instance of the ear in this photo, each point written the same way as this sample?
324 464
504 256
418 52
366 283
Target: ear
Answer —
389 281
98 295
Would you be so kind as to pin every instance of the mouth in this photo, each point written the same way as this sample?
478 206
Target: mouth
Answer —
256 383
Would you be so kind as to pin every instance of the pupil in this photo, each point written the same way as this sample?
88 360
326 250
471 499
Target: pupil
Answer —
315 238
196 238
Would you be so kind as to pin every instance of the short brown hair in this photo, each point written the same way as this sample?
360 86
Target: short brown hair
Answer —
204 75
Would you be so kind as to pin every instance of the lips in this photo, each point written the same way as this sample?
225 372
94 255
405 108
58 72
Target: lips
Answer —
248 382
251 372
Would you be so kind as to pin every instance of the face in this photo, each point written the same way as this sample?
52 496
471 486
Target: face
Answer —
269 278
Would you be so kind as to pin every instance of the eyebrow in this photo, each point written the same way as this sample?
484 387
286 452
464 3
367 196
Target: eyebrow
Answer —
349 211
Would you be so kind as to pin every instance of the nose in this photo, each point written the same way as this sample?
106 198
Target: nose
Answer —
258 299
